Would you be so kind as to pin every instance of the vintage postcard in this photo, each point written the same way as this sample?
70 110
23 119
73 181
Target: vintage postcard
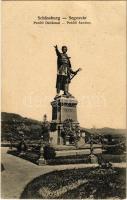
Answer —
63 120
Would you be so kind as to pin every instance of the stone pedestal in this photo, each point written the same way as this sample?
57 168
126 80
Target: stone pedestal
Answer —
63 108
93 159
81 143
41 160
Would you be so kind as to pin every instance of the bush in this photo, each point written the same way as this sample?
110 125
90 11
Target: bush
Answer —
21 146
116 149
49 152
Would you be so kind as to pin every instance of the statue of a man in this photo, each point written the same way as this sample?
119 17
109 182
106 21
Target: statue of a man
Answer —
64 71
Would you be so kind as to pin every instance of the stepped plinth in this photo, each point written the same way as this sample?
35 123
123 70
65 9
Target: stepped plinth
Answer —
64 108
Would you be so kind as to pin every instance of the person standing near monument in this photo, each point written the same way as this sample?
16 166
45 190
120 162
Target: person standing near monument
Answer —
64 71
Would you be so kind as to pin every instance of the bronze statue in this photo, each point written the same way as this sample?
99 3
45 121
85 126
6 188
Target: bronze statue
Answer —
64 71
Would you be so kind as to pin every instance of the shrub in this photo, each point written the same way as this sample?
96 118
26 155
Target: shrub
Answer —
49 152
21 146
116 149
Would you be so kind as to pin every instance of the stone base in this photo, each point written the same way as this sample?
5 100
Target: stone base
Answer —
63 108
81 143
53 137
93 159
41 161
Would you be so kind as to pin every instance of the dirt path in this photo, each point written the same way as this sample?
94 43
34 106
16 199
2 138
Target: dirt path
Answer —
18 173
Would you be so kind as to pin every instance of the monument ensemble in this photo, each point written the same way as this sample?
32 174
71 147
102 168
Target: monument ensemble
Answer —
64 107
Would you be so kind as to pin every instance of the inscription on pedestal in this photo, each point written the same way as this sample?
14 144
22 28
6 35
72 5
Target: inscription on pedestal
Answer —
64 108
68 113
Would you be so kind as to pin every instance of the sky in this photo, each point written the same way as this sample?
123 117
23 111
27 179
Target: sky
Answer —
99 48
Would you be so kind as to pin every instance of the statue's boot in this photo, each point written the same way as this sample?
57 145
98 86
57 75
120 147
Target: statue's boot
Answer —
67 94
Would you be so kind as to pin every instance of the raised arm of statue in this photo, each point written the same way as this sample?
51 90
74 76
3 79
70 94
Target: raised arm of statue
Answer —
57 51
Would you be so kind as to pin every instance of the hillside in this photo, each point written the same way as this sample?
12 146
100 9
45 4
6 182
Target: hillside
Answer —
13 124
106 131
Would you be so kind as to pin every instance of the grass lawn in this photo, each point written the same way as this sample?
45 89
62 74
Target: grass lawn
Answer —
82 183
30 156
